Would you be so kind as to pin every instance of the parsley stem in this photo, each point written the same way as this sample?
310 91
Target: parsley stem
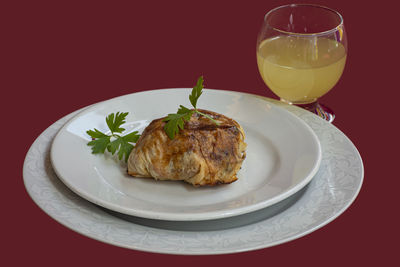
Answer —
207 116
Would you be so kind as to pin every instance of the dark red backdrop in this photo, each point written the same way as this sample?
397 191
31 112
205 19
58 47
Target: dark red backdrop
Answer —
59 56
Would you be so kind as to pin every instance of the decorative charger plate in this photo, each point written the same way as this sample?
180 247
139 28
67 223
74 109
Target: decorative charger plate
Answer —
329 194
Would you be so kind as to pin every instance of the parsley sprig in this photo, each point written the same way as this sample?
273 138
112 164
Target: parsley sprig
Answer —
113 142
176 121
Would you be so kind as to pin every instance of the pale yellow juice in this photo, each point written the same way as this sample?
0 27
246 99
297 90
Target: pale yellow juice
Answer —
298 69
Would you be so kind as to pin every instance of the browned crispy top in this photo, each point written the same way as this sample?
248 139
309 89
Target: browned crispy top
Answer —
220 148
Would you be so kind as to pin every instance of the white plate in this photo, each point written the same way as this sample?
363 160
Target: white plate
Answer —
282 157
332 190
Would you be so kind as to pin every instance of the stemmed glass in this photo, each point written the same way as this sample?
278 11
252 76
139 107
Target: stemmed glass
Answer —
301 54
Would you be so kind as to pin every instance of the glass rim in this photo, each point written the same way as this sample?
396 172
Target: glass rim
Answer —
333 30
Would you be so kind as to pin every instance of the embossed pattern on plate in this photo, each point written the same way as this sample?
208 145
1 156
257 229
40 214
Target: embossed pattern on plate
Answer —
329 194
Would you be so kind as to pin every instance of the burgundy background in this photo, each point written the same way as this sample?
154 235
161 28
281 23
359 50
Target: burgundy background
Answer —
59 56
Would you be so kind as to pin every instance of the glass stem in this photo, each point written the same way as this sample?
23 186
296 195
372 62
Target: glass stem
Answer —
320 110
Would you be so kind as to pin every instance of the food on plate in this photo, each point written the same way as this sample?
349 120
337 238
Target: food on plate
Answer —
204 152
114 141
197 146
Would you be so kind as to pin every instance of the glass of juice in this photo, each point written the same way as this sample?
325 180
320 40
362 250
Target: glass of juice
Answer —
301 54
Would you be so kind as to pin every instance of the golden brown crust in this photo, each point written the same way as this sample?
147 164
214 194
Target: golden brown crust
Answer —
202 154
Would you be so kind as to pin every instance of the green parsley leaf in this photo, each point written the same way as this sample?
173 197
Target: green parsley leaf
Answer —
114 122
114 145
99 145
185 111
177 121
101 141
124 150
196 92
96 134
121 145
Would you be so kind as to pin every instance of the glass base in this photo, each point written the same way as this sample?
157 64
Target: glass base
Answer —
319 109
